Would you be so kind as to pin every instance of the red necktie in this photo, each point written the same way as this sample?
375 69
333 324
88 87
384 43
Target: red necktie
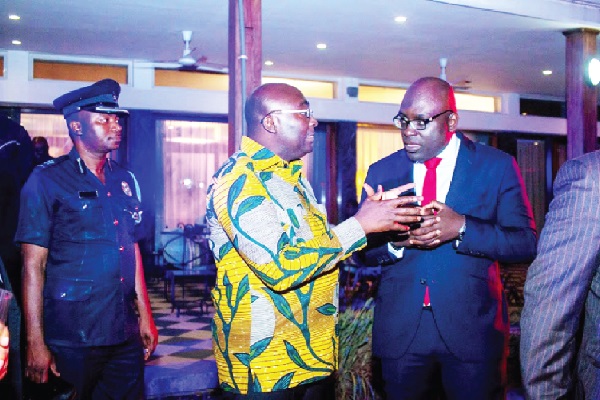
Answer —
429 193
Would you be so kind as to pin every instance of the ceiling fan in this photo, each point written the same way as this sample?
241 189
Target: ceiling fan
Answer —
463 85
187 62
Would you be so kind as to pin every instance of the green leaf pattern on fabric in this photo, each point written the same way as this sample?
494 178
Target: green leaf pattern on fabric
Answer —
294 261
249 204
295 356
284 382
327 309
293 218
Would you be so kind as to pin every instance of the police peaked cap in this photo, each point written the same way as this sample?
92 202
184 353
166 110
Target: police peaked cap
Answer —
100 97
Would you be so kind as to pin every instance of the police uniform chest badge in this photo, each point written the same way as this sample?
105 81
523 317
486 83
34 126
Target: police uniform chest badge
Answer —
137 216
126 188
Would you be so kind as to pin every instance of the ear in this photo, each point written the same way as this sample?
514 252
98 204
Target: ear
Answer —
75 127
269 124
452 122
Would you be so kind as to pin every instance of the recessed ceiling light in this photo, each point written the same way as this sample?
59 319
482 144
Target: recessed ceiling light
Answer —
16 42
269 63
547 72
400 19
14 16
321 46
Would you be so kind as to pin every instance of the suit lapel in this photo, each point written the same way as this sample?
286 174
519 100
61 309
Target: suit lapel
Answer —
457 192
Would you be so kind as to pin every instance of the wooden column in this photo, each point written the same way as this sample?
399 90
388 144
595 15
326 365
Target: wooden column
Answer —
253 42
582 100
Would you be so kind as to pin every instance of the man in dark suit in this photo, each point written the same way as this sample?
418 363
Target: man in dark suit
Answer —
440 316
560 322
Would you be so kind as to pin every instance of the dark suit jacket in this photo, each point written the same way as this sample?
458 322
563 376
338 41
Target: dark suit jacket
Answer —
465 287
560 322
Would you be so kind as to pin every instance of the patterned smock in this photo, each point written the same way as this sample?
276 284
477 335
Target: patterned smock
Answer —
276 292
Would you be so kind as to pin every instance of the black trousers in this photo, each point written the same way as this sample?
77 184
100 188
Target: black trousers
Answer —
430 371
323 389
103 372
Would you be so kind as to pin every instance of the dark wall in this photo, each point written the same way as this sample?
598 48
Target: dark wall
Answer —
141 158
346 169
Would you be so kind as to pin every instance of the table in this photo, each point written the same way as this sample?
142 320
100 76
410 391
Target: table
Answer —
202 274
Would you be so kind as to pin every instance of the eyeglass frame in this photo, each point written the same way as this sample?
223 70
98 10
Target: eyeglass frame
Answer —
426 121
308 111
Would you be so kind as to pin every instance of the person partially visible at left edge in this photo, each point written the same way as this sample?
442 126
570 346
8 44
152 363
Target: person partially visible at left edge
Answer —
276 291
87 313
4 341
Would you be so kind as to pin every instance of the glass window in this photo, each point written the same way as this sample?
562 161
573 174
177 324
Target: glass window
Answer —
51 126
391 95
372 144
192 152
78 71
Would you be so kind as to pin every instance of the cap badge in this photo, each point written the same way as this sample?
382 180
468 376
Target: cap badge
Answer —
126 188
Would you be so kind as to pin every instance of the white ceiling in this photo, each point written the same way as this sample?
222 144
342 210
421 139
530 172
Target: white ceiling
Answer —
498 45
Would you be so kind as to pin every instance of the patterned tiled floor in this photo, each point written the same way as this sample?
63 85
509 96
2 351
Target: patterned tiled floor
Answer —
182 367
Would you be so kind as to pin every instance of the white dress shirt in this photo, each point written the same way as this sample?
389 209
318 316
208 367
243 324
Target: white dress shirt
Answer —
444 173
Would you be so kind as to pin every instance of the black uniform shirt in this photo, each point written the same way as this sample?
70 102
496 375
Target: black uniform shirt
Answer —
89 230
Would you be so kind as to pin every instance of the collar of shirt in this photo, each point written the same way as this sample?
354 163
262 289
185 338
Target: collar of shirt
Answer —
444 171
265 160
76 158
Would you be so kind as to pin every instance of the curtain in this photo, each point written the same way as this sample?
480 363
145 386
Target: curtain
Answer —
192 153
531 160
372 144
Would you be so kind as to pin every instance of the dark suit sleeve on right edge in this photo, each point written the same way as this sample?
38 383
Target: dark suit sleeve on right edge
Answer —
558 282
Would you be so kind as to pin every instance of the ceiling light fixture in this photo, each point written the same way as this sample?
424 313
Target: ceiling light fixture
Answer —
16 42
321 46
14 17
592 71
400 19
269 63
547 72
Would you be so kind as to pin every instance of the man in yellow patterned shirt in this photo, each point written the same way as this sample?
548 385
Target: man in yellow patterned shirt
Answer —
276 299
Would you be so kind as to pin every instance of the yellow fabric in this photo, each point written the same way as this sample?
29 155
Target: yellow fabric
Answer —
276 291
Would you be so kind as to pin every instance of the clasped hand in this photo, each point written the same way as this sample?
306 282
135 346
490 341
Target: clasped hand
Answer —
440 225
385 211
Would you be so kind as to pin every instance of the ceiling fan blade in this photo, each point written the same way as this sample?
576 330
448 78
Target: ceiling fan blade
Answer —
211 68
462 86
168 65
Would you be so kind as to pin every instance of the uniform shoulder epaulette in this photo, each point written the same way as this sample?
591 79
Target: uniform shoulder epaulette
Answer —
54 161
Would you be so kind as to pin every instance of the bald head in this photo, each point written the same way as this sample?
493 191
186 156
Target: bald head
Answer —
279 118
431 101
433 89
264 99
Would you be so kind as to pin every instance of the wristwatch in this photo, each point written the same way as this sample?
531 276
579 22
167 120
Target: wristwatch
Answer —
462 230
393 246
461 234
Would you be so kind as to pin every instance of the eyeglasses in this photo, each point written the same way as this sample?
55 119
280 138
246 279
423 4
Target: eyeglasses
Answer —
419 124
307 113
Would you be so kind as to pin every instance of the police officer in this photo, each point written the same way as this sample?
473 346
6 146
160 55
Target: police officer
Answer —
87 313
